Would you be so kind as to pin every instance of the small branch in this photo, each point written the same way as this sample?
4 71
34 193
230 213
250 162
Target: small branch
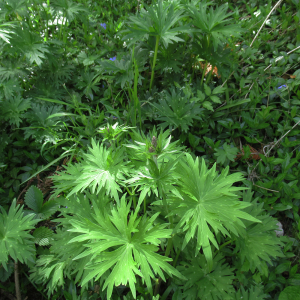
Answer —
276 143
275 6
7 295
265 188
17 283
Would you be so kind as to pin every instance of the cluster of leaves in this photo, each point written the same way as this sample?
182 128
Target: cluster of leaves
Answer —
78 77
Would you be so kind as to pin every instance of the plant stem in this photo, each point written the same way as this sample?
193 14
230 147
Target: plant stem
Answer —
203 74
154 61
176 258
17 283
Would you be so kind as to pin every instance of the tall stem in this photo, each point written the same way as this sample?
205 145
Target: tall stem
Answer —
154 61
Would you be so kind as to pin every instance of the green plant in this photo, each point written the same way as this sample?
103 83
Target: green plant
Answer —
75 79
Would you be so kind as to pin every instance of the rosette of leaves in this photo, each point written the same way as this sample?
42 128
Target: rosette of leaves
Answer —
209 205
156 178
34 199
113 133
204 282
144 147
15 238
259 245
120 243
99 168
177 111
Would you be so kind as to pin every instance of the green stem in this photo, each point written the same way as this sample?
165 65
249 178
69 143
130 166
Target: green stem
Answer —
203 74
209 75
169 246
223 245
154 61
176 258
226 93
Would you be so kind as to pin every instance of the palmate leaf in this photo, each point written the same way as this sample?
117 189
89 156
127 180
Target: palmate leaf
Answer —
5 34
15 239
13 109
252 293
134 242
31 45
156 20
70 9
177 111
42 128
122 70
213 24
100 168
260 243
210 205
203 283
225 154
12 70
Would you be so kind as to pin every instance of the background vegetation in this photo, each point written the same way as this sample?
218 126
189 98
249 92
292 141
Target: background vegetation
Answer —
134 91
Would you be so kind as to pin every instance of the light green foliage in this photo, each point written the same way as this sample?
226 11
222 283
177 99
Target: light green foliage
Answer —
5 33
34 199
154 145
209 201
113 133
135 242
101 168
15 239
146 213
69 9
